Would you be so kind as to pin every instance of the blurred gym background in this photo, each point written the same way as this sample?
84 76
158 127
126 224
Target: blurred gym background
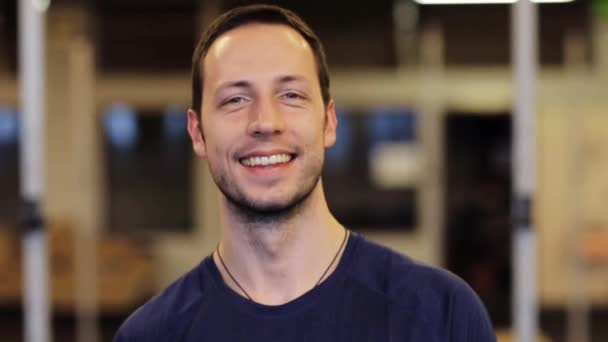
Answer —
422 163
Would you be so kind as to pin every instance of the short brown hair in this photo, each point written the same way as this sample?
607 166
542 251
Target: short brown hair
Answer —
267 14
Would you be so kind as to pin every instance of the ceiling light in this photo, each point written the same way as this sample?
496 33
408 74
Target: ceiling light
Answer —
481 2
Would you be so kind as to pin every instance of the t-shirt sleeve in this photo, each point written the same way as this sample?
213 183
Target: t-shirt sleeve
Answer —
469 320
142 327
131 331
122 336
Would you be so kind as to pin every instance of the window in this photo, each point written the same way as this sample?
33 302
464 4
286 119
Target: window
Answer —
478 35
8 37
149 169
9 166
145 35
370 174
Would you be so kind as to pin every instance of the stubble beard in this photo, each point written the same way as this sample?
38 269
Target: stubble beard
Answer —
248 211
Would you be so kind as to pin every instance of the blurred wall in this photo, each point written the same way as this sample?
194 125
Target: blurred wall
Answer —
568 98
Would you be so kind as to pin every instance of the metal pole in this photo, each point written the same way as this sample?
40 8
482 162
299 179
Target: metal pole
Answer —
81 76
524 31
31 76
577 326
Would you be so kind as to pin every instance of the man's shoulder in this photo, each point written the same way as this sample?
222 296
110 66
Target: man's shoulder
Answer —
438 297
166 315
397 275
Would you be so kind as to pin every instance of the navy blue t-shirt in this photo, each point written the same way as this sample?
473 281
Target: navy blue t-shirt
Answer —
374 295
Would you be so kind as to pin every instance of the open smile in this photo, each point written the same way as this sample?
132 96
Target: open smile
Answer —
267 160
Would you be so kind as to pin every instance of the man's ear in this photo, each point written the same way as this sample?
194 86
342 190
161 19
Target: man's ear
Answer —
331 124
196 134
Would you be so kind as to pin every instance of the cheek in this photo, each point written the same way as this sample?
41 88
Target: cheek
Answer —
218 150
315 143
212 145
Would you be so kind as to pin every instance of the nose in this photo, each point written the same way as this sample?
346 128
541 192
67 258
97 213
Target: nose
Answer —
265 119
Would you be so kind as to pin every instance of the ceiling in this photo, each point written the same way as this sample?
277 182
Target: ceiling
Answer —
159 34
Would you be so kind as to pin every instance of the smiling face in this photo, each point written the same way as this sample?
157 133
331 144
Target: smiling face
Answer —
264 124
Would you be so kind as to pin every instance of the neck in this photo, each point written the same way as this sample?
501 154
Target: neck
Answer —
276 263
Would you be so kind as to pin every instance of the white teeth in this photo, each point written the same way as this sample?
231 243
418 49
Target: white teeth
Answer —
266 160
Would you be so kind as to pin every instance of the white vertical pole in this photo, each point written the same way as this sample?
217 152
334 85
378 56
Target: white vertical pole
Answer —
432 105
32 82
81 76
577 326
524 31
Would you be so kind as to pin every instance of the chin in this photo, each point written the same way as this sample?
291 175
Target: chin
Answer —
271 205
266 204
265 213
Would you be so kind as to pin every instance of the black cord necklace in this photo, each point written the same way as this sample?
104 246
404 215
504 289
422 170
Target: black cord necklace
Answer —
217 249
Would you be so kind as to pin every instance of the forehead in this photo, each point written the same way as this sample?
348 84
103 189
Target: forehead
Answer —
257 50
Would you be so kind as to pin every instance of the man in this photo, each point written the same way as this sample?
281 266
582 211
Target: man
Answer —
285 269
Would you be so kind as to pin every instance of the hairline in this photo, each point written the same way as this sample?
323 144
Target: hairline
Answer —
284 18
283 78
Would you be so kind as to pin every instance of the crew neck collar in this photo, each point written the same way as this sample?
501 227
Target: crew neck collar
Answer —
308 298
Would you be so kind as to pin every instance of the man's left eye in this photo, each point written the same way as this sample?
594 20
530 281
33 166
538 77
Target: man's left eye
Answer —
292 95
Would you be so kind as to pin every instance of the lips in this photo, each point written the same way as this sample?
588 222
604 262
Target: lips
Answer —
266 160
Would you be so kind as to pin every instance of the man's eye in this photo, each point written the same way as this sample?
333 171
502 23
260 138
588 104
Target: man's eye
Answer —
234 100
291 95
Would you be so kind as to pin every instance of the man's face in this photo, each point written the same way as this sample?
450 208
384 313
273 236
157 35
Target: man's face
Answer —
264 124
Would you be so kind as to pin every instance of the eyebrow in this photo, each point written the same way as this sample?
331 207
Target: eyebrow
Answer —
235 84
291 78
244 84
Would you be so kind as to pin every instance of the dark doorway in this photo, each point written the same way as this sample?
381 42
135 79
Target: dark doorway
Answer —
478 229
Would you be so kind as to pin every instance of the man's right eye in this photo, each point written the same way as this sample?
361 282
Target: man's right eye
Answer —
233 100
